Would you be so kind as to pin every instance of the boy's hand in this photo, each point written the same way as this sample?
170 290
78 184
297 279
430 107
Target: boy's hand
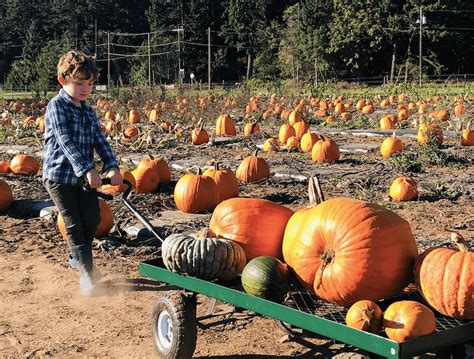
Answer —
115 176
93 178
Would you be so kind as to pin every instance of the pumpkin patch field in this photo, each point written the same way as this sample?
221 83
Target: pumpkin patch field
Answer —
395 175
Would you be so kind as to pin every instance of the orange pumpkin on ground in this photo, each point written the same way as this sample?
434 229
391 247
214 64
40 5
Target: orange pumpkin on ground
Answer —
6 195
445 278
403 189
159 165
133 117
199 135
286 130
25 165
227 184
390 146
325 150
4 167
365 315
117 189
300 129
427 133
467 136
408 319
253 169
271 144
225 126
251 128
146 179
256 224
196 193
308 140
346 250
105 225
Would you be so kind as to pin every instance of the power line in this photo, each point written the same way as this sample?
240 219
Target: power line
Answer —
455 11
137 47
452 28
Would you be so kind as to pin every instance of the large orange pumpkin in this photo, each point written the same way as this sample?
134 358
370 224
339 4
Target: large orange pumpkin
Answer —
6 196
253 169
196 193
408 319
227 184
105 225
445 278
256 224
159 165
25 165
348 250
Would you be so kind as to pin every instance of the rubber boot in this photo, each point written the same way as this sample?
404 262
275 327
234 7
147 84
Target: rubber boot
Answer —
81 258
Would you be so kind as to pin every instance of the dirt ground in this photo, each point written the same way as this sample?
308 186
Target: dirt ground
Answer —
43 314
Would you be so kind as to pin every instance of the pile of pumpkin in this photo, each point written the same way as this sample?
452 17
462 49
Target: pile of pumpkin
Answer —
344 250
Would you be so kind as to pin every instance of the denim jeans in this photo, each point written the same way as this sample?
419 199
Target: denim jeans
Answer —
81 215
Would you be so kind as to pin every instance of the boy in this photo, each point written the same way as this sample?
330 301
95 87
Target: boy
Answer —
72 133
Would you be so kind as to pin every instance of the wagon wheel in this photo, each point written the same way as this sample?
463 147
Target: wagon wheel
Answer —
174 325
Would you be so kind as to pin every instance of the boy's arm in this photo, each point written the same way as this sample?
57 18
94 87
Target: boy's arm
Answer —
103 148
56 116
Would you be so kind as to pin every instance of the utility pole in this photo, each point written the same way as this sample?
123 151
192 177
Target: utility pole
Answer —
95 37
209 58
149 61
108 61
179 30
420 54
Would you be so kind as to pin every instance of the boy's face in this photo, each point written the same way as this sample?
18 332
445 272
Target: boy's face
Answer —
79 89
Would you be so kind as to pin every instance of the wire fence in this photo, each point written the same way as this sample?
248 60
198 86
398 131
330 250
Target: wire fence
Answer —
370 81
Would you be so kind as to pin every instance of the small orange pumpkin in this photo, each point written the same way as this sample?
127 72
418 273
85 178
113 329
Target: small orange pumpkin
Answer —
365 315
253 169
199 135
251 128
271 144
117 189
390 146
6 196
286 130
4 167
408 319
403 189
133 117
429 132
227 185
308 140
325 150
225 126
25 165
467 136
146 179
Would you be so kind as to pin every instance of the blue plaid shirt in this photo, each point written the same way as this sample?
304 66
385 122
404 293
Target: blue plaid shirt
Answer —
71 134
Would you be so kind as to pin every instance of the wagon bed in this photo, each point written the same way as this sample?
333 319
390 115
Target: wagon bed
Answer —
304 310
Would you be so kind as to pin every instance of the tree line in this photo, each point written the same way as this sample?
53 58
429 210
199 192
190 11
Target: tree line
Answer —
267 40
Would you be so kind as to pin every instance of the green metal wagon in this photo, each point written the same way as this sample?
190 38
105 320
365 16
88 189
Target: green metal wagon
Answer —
174 323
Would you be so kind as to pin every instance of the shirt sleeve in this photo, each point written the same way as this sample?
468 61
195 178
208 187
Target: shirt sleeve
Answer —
57 118
102 146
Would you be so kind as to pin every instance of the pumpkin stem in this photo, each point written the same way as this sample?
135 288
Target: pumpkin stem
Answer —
202 233
216 166
459 240
326 258
367 315
201 125
256 152
151 156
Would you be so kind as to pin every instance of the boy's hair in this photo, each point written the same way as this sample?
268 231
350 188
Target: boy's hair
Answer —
75 64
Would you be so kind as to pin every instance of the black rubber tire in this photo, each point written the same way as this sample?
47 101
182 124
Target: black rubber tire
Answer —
174 326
